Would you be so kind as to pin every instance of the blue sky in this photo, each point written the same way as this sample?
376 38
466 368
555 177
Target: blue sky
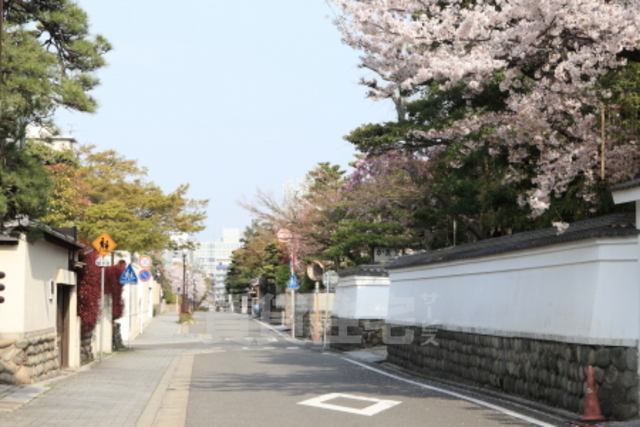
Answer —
228 97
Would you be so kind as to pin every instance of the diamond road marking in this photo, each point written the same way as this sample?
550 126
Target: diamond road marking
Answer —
378 405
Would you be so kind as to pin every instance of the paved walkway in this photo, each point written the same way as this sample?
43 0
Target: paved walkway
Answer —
115 392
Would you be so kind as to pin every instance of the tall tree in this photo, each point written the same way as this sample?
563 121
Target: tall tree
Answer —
47 61
547 58
140 216
260 256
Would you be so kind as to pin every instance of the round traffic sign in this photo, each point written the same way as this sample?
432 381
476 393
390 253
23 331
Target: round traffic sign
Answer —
330 279
144 275
283 235
144 261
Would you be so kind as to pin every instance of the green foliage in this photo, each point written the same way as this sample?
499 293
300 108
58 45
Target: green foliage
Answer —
50 157
185 318
283 272
467 188
47 62
260 256
138 214
24 185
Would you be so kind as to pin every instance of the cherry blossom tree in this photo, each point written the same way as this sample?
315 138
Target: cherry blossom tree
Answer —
196 281
548 57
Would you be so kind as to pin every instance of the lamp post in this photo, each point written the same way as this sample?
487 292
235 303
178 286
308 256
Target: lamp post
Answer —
185 302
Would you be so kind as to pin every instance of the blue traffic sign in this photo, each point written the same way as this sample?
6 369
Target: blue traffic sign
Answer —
129 277
293 283
145 275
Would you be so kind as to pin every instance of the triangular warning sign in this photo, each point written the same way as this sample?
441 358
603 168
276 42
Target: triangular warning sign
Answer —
129 277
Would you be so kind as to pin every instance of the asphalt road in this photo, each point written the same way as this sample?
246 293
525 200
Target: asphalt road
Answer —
253 376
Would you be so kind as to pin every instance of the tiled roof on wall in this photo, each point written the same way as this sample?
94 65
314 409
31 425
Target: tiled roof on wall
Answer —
617 225
364 270
626 185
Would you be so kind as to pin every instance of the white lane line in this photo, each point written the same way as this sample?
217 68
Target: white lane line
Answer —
457 395
378 405
282 335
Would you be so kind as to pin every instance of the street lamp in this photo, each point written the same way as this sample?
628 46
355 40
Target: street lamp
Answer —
185 303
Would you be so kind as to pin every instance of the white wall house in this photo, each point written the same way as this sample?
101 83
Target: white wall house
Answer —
39 325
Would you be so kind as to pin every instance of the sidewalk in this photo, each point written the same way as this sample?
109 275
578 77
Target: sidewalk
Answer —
112 393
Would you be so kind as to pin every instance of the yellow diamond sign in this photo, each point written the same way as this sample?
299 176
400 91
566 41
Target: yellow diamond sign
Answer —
104 244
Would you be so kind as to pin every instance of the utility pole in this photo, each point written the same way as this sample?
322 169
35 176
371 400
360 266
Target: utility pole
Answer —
1 36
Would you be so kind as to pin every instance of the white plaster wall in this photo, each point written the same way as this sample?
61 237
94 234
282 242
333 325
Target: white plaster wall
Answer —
13 263
43 262
306 302
362 297
138 308
584 292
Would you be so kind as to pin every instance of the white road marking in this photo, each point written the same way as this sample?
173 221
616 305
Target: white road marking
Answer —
378 405
258 349
457 395
293 348
287 337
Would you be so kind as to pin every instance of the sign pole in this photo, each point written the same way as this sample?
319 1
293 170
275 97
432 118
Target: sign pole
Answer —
293 314
326 304
130 316
101 310
316 315
103 244
329 278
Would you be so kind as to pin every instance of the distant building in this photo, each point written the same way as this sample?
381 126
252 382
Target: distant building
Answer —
57 142
214 259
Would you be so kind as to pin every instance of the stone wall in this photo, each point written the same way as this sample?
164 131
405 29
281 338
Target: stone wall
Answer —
86 352
546 371
352 334
117 343
30 359
306 325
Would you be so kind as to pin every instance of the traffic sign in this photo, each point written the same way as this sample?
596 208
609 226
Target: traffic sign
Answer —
129 276
283 235
293 283
103 261
104 244
144 275
144 261
330 279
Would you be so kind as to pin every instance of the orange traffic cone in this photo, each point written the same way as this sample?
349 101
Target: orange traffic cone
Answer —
592 413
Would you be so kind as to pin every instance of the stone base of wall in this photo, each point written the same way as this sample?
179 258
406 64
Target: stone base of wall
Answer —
353 334
86 352
546 371
117 343
306 325
29 360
